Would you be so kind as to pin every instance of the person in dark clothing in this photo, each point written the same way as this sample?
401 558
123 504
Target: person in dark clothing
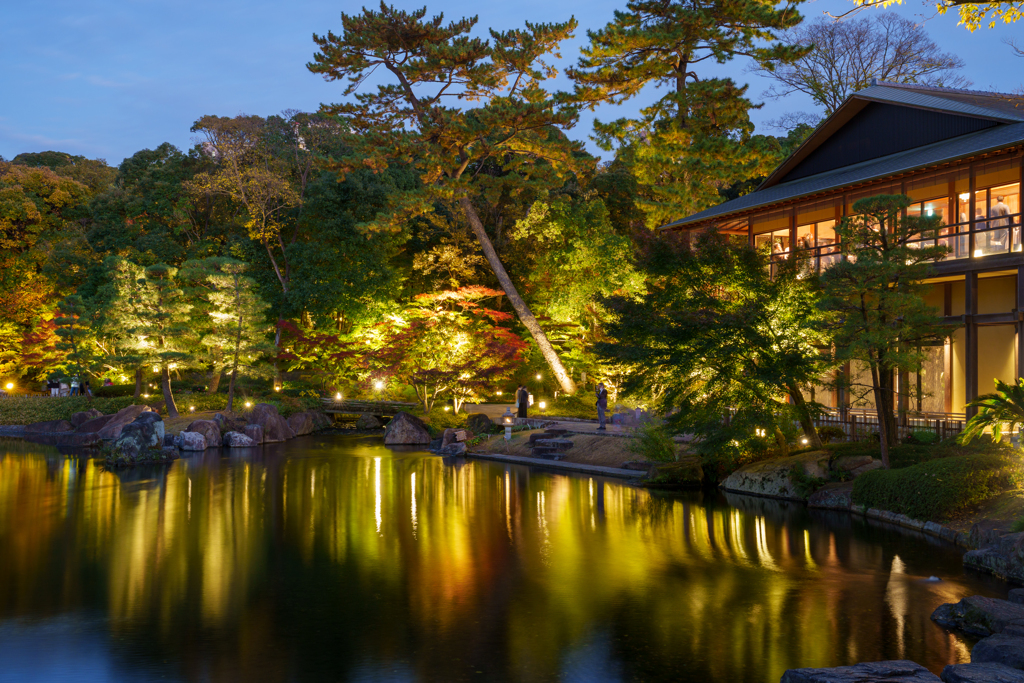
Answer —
602 405
522 400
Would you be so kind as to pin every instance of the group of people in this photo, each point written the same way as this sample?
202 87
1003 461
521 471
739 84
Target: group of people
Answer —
58 388
523 403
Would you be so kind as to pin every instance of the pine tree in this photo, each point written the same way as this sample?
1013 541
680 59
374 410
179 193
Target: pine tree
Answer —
73 330
127 299
698 137
239 318
164 327
422 117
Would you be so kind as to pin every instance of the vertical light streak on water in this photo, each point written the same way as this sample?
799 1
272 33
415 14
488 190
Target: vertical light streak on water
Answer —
736 534
765 555
593 522
508 506
415 522
190 497
312 483
807 550
896 596
376 510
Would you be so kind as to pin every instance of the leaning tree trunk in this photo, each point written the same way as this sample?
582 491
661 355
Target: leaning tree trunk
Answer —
806 423
165 384
215 374
882 385
138 384
522 310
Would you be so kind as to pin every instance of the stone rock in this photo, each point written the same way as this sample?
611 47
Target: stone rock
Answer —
79 419
1001 555
898 671
369 421
320 420
874 465
275 428
834 496
111 425
435 445
685 473
979 616
170 440
254 432
191 441
447 437
478 423
1016 595
51 426
848 463
226 423
301 423
169 453
638 465
1000 649
454 448
155 420
237 440
209 429
143 434
406 429
772 477
981 673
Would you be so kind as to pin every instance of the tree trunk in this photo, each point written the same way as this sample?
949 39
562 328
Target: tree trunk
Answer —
138 384
806 423
881 381
522 310
780 441
231 386
165 383
238 346
214 380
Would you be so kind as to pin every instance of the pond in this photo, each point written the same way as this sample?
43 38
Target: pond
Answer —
332 558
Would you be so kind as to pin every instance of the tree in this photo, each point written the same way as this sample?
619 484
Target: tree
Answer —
972 12
875 295
1002 411
95 174
512 139
447 343
163 330
846 56
240 319
73 330
127 302
720 331
698 136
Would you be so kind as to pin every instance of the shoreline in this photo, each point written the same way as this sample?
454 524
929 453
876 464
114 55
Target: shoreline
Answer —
558 465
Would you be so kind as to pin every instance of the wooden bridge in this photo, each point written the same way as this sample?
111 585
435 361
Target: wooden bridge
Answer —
378 408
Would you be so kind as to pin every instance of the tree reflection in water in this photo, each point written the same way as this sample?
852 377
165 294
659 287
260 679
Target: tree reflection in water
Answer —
333 558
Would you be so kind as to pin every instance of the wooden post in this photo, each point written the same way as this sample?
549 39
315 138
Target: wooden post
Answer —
971 350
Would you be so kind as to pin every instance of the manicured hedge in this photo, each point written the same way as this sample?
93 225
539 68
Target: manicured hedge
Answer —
22 410
937 489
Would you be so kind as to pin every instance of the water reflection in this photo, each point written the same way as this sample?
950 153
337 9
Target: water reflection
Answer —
336 559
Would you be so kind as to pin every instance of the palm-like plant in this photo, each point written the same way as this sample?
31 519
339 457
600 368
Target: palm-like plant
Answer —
1002 411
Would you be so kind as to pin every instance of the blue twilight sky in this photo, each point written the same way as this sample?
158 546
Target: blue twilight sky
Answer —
106 78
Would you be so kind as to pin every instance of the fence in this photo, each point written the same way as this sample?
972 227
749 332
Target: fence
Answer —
863 425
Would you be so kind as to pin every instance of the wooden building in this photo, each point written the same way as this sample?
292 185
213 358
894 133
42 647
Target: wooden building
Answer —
956 154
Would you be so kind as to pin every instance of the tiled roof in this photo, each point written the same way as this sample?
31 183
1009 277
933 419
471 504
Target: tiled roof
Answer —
1000 106
920 157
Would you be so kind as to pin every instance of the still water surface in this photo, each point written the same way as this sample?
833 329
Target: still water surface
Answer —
335 559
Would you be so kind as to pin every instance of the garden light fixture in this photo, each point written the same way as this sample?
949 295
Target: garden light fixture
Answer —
248 404
507 419
378 385
543 405
10 385
337 396
191 409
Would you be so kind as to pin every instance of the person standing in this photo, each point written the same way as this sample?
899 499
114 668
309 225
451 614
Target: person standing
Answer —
522 400
86 389
74 385
54 387
602 405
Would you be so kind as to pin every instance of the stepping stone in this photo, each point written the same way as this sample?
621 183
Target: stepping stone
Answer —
979 616
898 671
981 673
1000 649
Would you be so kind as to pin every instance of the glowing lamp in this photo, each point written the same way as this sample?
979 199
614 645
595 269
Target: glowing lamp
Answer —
538 375
277 388
507 419
145 396
977 253
248 404
543 405
10 385
499 393
337 396
447 408
804 441
191 409
378 385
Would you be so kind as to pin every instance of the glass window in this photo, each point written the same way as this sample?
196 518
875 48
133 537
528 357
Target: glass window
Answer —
805 236
826 233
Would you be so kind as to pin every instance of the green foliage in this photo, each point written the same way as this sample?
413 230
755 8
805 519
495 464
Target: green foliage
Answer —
115 390
803 483
653 442
875 297
1018 526
922 436
22 410
830 433
580 405
1002 412
937 489
439 420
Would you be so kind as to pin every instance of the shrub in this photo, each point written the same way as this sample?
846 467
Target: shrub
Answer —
22 410
580 404
936 489
830 433
113 391
439 420
922 437
653 442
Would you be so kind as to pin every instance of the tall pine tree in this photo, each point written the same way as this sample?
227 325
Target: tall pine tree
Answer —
164 328
697 137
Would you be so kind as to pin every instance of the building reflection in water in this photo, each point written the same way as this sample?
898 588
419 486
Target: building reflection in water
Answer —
338 559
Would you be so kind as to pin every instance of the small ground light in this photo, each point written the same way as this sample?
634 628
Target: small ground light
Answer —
378 385
10 385
804 441
538 375
447 408
192 409
277 388
337 396
248 405
499 393
543 405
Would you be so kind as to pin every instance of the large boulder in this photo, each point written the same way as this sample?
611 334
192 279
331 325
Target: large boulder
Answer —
981 673
209 429
301 423
320 420
94 425
50 427
406 429
369 421
237 440
1000 649
834 496
79 419
478 423
254 432
898 671
109 427
140 436
155 420
685 473
447 437
454 448
1002 555
979 616
226 423
772 477
275 428
191 441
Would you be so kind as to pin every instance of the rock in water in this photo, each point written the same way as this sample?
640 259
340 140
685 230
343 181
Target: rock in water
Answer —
979 616
478 423
142 435
254 432
369 421
406 429
79 419
301 423
448 437
1000 649
50 427
191 441
898 671
275 428
454 448
155 420
772 477
834 496
209 429
110 426
229 424
981 673
237 440
683 474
